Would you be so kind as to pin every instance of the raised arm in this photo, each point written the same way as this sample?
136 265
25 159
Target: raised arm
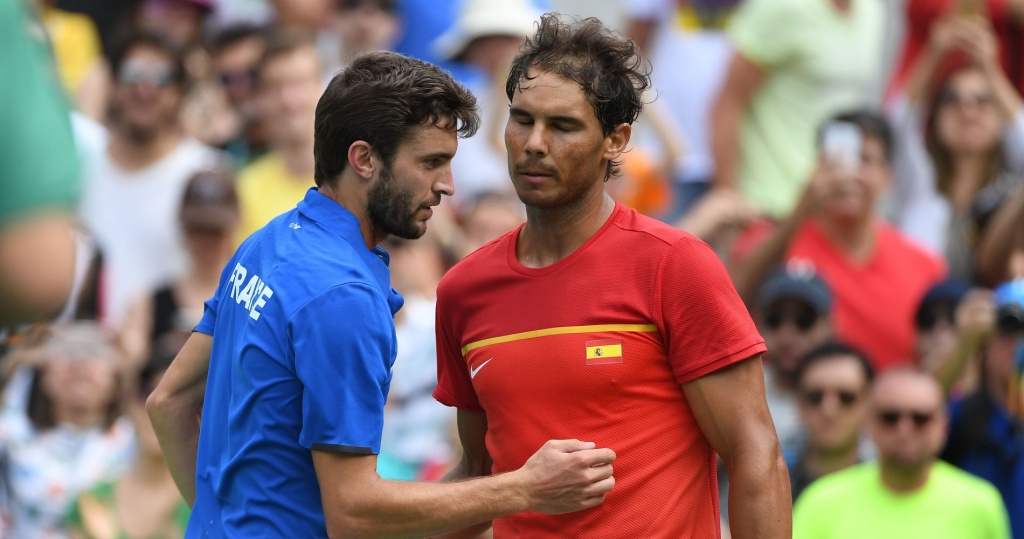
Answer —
175 408
741 81
730 407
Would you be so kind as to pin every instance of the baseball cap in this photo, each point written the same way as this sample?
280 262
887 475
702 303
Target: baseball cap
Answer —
798 283
479 18
1010 306
949 291
210 201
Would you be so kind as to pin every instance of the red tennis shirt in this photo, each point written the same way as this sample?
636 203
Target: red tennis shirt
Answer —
595 347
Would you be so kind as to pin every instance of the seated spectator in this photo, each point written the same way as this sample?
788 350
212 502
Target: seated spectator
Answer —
877 275
986 438
132 191
956 142
209 216
142 502
69 437
907 492
794 317
236 52
833 382
953 322
289 86
782 83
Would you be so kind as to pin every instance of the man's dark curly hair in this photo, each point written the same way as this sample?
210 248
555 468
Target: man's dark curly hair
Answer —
607 66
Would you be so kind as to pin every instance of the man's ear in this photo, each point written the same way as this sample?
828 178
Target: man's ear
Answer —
616 141
361 158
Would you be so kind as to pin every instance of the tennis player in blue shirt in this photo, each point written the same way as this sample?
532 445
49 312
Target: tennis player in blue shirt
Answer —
291 363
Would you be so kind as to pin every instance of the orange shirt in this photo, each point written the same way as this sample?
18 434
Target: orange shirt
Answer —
875 300
595 347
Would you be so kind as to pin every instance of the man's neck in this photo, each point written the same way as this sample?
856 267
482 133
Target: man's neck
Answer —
820 462
902 480
855 238
551 235
348 194
133 154
298 158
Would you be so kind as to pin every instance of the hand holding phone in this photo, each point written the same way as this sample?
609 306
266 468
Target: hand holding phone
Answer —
841 145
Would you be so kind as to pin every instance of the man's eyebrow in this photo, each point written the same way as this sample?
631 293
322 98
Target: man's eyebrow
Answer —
561 118
437 155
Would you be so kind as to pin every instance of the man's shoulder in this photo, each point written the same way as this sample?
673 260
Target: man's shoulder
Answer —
838 486
263 167
638 225
899 245
966 486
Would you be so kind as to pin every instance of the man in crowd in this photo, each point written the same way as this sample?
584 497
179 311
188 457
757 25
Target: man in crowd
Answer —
796 63
290 82
877 275
592 320
236 52
833 382
295 351
794 316
132 191
908 492
986 438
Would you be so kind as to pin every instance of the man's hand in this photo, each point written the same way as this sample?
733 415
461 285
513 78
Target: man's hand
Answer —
975 317
567 475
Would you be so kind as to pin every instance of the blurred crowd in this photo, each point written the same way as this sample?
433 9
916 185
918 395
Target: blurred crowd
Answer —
865 193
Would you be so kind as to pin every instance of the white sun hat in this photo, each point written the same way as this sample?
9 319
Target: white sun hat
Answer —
479 18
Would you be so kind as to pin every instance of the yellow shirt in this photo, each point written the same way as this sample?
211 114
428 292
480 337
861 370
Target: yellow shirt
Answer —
76 46
267 189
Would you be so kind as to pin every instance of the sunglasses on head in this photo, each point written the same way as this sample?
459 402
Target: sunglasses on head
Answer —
815 397
137 72
804 318
949 97
892 417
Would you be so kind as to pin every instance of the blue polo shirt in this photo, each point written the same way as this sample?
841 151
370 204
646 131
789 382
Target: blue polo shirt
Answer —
303 344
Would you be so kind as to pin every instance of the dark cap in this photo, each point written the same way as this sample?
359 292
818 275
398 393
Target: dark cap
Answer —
799 283
950 291
1010 306
210 201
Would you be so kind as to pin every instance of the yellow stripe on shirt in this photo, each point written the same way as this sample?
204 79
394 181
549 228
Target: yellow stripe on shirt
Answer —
565 330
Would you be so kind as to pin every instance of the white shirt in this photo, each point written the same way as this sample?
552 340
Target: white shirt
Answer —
134 218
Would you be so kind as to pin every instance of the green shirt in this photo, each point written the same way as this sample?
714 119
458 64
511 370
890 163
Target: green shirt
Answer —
817 62
38 161
103 497
853 503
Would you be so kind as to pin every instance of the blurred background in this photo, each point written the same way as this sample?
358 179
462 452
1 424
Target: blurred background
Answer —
856 164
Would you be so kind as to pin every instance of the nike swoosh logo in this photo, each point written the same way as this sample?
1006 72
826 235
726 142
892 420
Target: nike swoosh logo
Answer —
472 372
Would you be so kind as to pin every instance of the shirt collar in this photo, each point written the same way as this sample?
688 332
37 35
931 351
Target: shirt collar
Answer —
337 219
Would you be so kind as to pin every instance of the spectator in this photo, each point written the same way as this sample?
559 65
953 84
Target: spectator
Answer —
794 317
877 275
986 438
179 21
487 216
143 501
781 85
1001 249
952 323
209 216
132 191
290 83
833 382
908 492
236 53
363 26
70 435
971 138
688 42
485 37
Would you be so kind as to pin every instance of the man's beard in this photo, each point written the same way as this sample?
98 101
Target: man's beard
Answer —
390 208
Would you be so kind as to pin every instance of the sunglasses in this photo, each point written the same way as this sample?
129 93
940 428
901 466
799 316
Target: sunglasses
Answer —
949 97
138 72
815 397
892 417
239 77
930 317
803 318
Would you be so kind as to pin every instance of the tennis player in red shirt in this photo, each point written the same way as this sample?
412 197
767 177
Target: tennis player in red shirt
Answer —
592 321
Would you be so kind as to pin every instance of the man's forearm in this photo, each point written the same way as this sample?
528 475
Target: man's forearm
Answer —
760 504
177 430
725 141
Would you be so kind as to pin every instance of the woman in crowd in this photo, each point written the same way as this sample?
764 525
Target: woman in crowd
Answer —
969 142
209 216
70 436
143 502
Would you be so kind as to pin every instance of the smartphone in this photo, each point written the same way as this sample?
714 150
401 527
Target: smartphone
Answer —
841 143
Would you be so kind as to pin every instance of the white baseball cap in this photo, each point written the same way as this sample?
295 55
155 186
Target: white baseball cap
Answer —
479 18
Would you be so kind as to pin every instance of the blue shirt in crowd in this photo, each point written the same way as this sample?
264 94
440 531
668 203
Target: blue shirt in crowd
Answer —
303 345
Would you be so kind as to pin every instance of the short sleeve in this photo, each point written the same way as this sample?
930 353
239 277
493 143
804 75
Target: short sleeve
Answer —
344 347
754 31
209 319
454 386
704 322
